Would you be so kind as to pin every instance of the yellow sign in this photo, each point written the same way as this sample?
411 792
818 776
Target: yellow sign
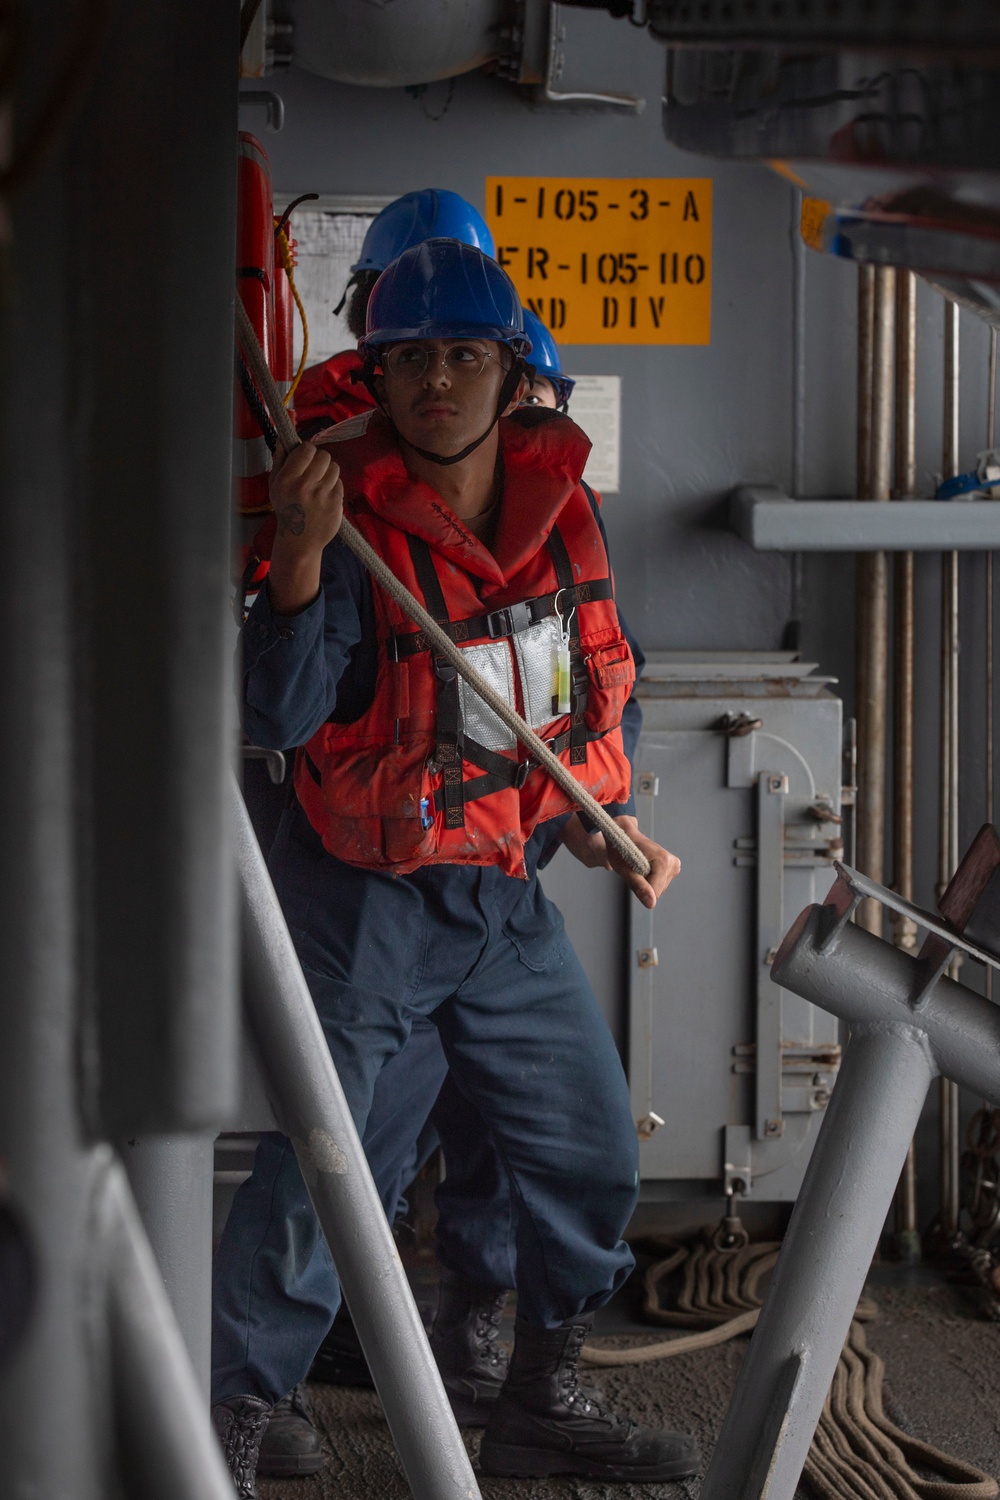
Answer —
815 212
609 260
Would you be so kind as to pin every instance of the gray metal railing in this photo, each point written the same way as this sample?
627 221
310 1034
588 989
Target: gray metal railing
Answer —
169 1450
908 1024
309 1103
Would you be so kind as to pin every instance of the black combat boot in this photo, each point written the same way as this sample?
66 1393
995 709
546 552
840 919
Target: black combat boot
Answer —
291 1445
463 1339
544 1423
340 1359
240 1422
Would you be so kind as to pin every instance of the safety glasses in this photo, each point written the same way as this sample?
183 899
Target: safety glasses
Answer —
460 361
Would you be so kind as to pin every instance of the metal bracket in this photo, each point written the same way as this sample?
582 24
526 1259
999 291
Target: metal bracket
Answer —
737 1159
771 522
273 759
627 103
741 754
269 100
649 1125
647 958
647 784
851 888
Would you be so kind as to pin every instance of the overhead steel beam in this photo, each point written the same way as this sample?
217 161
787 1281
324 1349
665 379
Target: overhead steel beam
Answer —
936 25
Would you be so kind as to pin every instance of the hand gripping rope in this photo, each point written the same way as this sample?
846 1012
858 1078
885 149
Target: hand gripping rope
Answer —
540 752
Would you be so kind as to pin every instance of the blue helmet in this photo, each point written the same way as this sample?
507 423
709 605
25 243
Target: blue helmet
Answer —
443 289
431 213
545 356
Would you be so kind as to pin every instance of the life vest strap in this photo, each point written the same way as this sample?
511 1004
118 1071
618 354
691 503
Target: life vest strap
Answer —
508 621
502 772
452 746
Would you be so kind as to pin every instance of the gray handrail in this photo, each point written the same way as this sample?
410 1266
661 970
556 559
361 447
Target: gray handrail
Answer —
906 1027
171 1451
310 1105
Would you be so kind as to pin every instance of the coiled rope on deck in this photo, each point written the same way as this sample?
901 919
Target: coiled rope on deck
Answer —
857 1453
442 643
720 1294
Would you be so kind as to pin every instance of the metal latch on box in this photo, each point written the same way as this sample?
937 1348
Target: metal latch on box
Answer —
648 1125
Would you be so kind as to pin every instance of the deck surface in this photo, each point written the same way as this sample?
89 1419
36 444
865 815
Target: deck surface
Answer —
942 1374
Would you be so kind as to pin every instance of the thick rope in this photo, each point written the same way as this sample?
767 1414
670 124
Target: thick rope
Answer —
857 1453
716 1283
691 1343
443 645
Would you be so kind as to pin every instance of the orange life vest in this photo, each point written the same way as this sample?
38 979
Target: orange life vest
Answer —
327 393
429 775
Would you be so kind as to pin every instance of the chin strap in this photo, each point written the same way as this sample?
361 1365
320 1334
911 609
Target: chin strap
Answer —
353 282
512 379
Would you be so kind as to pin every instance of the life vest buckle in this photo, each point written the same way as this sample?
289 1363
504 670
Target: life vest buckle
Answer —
524 769
509 620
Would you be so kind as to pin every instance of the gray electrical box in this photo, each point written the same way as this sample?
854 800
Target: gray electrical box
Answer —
739 773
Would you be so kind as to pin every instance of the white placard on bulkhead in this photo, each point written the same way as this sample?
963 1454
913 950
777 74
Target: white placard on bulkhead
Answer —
596 406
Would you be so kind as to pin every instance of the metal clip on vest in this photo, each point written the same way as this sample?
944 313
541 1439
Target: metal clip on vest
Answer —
441 643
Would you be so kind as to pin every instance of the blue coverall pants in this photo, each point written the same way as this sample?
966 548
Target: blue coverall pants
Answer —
487 961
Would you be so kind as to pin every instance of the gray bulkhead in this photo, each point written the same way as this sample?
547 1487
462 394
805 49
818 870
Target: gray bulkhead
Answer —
771 400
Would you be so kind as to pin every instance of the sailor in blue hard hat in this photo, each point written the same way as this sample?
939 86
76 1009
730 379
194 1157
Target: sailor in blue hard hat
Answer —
436 303
407 867
331 391
431 213
549 386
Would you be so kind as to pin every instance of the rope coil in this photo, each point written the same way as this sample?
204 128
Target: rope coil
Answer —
858 1452
443 645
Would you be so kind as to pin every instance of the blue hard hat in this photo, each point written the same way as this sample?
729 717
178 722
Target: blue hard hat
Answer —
431 213
444 289
545 356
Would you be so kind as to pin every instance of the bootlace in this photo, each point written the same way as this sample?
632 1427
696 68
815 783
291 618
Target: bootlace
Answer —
586 1402
296 1401
240 1427
488 1329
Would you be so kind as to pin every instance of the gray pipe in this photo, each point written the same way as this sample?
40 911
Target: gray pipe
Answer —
903 927
822 1267
169 1450
309 1102
171 1180
894 1053
948 1125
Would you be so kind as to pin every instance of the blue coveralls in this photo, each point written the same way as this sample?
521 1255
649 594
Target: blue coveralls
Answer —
542 1156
